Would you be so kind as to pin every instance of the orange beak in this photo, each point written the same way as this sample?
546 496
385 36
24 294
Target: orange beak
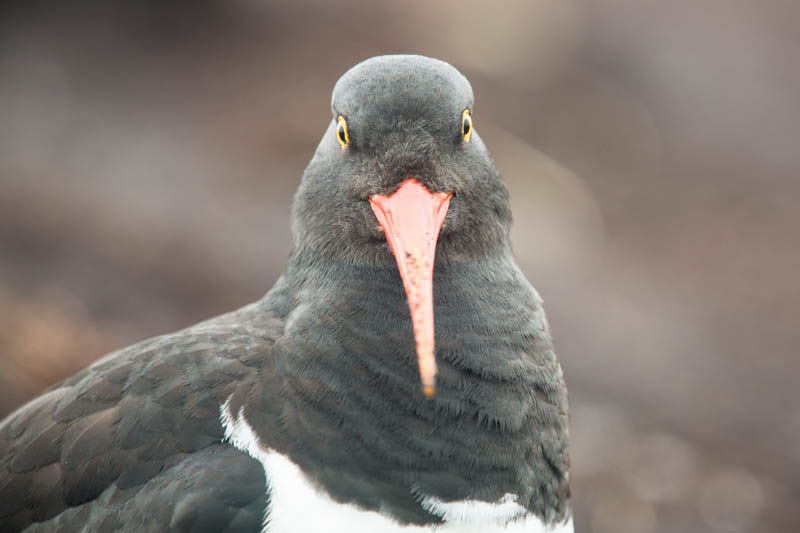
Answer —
411 218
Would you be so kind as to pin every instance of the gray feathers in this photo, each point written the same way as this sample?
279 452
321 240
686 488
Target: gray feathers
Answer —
323 366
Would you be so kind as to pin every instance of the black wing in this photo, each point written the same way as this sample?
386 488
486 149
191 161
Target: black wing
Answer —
135 440
217 489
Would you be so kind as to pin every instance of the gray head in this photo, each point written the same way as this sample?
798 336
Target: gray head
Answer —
389 98
393 118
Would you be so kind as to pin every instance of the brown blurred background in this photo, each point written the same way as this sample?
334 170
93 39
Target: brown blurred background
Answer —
149 152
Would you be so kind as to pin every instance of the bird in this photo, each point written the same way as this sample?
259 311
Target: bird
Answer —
400 375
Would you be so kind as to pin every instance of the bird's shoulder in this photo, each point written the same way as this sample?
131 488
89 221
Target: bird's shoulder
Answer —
129 419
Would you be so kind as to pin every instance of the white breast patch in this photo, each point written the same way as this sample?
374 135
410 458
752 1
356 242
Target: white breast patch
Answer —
296 506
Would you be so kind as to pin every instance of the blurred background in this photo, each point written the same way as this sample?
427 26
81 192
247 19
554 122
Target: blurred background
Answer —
149 151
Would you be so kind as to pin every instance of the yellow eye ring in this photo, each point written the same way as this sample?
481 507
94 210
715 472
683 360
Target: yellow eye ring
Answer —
466 125
341 132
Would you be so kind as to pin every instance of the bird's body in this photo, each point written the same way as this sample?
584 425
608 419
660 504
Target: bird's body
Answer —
303 411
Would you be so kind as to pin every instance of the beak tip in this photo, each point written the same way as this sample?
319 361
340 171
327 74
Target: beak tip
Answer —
429 390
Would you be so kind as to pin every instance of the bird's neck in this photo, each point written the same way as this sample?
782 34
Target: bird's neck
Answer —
346 372
349 327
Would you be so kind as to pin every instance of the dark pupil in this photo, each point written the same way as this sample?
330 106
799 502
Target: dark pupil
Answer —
467 124
341 133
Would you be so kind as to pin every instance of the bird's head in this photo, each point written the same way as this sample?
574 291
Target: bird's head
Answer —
399 168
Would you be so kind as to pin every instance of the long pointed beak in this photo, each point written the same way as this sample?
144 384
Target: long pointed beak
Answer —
411 218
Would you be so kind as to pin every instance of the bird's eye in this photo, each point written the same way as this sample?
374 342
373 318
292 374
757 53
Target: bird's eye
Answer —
341 132
466 125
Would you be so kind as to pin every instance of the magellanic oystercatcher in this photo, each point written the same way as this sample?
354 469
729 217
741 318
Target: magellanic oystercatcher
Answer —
332 404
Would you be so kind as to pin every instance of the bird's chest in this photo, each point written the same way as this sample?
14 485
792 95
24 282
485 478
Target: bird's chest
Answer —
297 505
